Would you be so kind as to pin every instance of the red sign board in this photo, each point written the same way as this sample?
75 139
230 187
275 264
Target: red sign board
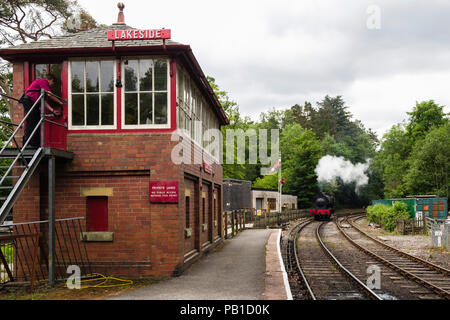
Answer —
164 191
135 34
208 168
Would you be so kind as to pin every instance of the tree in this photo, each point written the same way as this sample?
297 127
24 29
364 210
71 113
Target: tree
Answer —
231 108
30 20
267 182
430 164
80 22
300 152
424 117
393 158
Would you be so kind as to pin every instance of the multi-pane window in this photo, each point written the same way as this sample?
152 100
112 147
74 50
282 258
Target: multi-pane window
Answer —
146 92
194 114
92 93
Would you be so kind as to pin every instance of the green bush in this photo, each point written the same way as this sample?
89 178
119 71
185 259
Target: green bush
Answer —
375 213
387 216
398 211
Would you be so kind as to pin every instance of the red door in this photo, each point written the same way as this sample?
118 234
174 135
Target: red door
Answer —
55 135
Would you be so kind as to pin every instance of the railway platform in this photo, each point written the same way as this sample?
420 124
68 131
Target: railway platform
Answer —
246 267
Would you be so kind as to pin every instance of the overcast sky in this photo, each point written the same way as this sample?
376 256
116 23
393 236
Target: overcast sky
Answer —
274 54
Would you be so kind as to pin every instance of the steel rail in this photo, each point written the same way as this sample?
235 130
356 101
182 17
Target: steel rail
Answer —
292 246
434 288
406 255
367 291
298 229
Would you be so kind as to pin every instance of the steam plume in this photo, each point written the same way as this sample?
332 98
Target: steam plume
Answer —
330 168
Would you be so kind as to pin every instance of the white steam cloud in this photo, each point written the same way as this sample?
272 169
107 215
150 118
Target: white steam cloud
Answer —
330 168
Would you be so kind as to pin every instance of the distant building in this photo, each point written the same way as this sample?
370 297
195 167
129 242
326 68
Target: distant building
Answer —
267 199
236 194
239 194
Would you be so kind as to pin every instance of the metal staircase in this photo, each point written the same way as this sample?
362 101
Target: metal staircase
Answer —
18 162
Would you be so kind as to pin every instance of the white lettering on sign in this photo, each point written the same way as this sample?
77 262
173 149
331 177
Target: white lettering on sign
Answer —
135 34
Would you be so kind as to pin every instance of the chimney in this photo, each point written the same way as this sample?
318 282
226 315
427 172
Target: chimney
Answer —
120 17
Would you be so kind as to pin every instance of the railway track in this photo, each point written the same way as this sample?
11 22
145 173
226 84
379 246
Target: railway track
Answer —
314 272
431 277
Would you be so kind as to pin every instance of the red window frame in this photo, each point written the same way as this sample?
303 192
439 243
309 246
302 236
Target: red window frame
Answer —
120 129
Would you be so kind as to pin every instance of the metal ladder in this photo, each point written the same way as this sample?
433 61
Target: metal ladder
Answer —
29 158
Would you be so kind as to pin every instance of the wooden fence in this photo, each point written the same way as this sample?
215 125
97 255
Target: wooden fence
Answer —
239 220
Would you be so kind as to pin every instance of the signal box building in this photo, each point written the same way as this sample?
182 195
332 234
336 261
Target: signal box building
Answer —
127 92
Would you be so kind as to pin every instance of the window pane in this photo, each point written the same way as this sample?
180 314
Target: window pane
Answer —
78 110
146 108
40 70
180 85
77 76
131 108
181 120
161 108
92 109
92 76
131 75
107 76
160 75
146 75
108 109
55 69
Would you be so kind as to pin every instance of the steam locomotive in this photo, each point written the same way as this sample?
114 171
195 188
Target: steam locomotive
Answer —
323 206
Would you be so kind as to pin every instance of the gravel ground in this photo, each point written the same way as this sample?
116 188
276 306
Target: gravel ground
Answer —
417 245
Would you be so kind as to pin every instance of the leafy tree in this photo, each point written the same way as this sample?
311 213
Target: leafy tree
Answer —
393 160
267 182
300 152
332 117
231 108
304 115
430 164
30 20
424 117
411 159
81 21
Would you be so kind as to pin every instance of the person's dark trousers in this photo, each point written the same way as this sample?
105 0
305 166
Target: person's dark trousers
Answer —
31 123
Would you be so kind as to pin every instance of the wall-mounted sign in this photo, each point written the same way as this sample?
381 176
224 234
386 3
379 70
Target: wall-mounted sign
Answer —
208 168
164 191
135 34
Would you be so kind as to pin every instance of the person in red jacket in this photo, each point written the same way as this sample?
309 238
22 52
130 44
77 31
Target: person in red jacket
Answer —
31 95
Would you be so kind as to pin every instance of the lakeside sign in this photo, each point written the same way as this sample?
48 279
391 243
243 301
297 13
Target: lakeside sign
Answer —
164 191
135 34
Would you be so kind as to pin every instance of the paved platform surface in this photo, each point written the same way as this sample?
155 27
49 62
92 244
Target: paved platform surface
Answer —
276 280
236 271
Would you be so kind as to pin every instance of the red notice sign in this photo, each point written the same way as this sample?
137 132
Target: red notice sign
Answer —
164 191
208 168
135 34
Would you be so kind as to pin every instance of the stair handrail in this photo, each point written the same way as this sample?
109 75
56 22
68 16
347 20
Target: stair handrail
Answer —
41 97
